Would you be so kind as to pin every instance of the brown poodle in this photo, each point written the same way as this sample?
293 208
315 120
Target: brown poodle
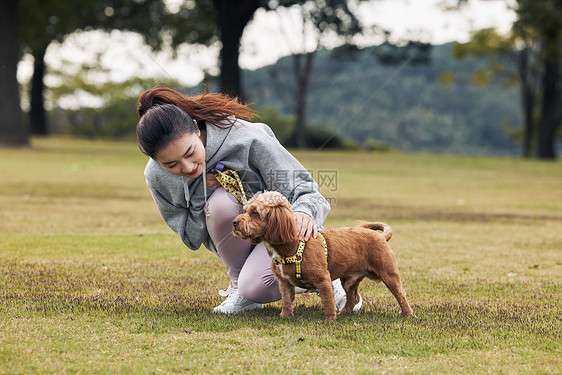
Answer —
353 253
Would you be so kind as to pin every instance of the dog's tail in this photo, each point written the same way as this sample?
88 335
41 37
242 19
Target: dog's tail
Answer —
385 228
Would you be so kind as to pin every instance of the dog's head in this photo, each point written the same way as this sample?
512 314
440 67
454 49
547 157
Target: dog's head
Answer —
267 217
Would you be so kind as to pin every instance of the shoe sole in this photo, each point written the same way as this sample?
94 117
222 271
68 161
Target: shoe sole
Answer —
238 312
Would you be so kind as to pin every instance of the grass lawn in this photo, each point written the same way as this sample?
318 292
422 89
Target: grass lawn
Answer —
92 280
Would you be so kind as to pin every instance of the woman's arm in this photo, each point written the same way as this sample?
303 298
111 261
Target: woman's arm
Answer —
282 172
177 218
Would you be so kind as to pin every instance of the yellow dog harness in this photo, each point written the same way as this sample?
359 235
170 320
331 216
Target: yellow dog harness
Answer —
297 259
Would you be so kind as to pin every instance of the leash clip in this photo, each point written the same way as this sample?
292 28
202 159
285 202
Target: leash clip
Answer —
218 168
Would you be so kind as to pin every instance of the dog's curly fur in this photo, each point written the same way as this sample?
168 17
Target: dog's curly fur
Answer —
353 254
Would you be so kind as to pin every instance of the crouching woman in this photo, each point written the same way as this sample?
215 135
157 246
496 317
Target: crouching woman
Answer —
186 138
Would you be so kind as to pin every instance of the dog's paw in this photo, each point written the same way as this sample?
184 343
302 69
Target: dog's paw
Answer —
331 318
285 314
406 315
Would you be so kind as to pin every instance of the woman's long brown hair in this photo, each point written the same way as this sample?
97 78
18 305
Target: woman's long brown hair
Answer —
213 108
166 114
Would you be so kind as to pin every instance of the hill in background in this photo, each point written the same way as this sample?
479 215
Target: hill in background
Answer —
404 106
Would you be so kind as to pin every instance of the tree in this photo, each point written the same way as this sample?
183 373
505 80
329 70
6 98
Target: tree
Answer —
209 22
321 19
536 42
232 18
51 20
12 131
194 23
115 118
510 65
529 84
324 20
542 21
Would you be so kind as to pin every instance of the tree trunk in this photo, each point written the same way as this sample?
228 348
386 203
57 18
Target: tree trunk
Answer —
302 75
551 115
527 101
37 115
12 131
232 18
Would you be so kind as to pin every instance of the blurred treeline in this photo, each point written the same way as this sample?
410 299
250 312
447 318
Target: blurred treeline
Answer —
360 103
439 106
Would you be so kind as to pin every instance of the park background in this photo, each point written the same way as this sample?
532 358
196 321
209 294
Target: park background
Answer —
447 130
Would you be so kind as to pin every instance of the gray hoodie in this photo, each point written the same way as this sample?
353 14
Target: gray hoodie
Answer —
262 163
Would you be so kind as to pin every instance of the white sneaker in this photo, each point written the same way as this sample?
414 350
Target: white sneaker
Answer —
340 297
236 303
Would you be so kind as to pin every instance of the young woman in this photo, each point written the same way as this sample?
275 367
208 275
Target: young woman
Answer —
186 138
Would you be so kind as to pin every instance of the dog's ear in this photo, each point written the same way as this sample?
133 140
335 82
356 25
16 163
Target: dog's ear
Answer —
281 226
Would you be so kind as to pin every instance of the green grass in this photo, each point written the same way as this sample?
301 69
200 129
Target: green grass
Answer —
92 281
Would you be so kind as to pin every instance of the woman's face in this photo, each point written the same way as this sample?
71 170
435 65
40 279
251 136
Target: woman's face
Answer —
184 156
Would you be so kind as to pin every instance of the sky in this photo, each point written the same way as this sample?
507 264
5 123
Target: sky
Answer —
269 36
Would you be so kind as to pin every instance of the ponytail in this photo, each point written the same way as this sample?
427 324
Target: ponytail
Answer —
166 114
212 108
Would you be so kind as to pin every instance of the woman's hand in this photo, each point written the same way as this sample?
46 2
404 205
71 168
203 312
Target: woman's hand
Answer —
306 226
212 181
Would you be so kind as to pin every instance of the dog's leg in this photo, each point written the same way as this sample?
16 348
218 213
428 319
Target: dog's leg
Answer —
352 297
326 291
394 284
287 297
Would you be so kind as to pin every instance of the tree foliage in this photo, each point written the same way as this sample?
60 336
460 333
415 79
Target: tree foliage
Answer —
114 117
535 44
321 19
46 21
